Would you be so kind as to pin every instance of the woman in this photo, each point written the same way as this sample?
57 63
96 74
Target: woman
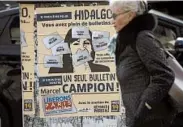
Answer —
142 69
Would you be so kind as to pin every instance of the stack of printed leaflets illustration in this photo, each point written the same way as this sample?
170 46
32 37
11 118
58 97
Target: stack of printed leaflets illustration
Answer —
58 47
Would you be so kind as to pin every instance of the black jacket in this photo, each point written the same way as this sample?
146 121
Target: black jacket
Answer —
143 73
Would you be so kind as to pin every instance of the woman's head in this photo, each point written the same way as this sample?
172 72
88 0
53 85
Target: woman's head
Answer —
124 11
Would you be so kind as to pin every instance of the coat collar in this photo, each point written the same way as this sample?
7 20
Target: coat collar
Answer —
139 23
128 34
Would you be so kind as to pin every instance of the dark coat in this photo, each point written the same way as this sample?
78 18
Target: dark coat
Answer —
143 73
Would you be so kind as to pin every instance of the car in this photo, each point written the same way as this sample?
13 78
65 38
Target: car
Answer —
169 31
10 86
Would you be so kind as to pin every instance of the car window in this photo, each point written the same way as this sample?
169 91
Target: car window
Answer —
6 4
15 30
166 35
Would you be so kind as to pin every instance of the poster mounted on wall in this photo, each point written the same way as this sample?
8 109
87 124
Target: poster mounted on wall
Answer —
75 77
72 44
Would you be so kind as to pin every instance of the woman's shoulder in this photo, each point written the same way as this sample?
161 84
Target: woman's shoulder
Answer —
145 34
147 38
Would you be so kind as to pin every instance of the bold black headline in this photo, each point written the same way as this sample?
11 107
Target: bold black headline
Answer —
86 83
66 78
84 14
82 88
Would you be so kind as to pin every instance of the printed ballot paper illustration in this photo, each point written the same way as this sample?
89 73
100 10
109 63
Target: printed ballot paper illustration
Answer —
100 40
81 57
22 39
60 49
53 61
52 39
58 104
80 32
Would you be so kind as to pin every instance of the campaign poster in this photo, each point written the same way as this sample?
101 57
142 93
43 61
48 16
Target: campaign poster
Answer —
77 76
27 57
67 83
